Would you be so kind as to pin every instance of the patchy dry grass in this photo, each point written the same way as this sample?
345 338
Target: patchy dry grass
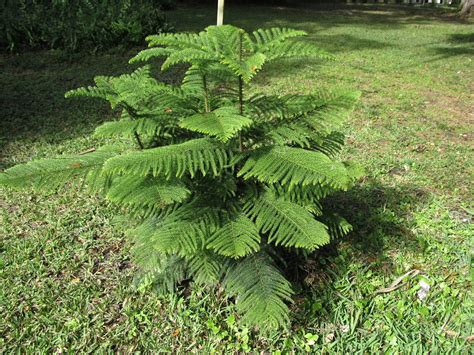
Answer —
65 275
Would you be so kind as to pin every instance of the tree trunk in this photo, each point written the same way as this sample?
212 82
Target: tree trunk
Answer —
466 7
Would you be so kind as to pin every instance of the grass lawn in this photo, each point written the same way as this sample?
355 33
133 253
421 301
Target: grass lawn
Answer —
66 280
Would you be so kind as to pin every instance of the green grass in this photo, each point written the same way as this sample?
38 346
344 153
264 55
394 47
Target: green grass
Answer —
66 281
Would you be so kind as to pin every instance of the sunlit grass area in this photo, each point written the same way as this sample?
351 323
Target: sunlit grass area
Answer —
66 279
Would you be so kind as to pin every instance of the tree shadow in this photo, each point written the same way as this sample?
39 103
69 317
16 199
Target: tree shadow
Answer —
459 44
462 38
309 17
347 43
380 217
381 220
34 109
32 88
447 52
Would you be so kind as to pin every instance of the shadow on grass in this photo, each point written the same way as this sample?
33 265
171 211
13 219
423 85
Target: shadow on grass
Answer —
380 217
347 43
32 88
336 44
334 278
460 44
462 38
307 17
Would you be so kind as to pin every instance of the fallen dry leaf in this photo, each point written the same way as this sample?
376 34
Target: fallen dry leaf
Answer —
329 337
451 333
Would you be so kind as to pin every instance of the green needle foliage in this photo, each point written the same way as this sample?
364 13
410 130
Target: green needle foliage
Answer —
219 181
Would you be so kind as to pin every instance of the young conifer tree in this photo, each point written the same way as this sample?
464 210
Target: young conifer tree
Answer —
219 180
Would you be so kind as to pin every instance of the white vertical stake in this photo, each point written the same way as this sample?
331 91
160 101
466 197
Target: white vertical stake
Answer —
220 12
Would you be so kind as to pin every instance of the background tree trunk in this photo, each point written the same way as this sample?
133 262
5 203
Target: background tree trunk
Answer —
466 7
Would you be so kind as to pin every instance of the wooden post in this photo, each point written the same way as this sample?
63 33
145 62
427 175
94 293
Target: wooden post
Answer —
220 12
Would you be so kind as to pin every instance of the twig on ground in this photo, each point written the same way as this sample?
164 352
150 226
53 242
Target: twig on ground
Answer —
398 282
